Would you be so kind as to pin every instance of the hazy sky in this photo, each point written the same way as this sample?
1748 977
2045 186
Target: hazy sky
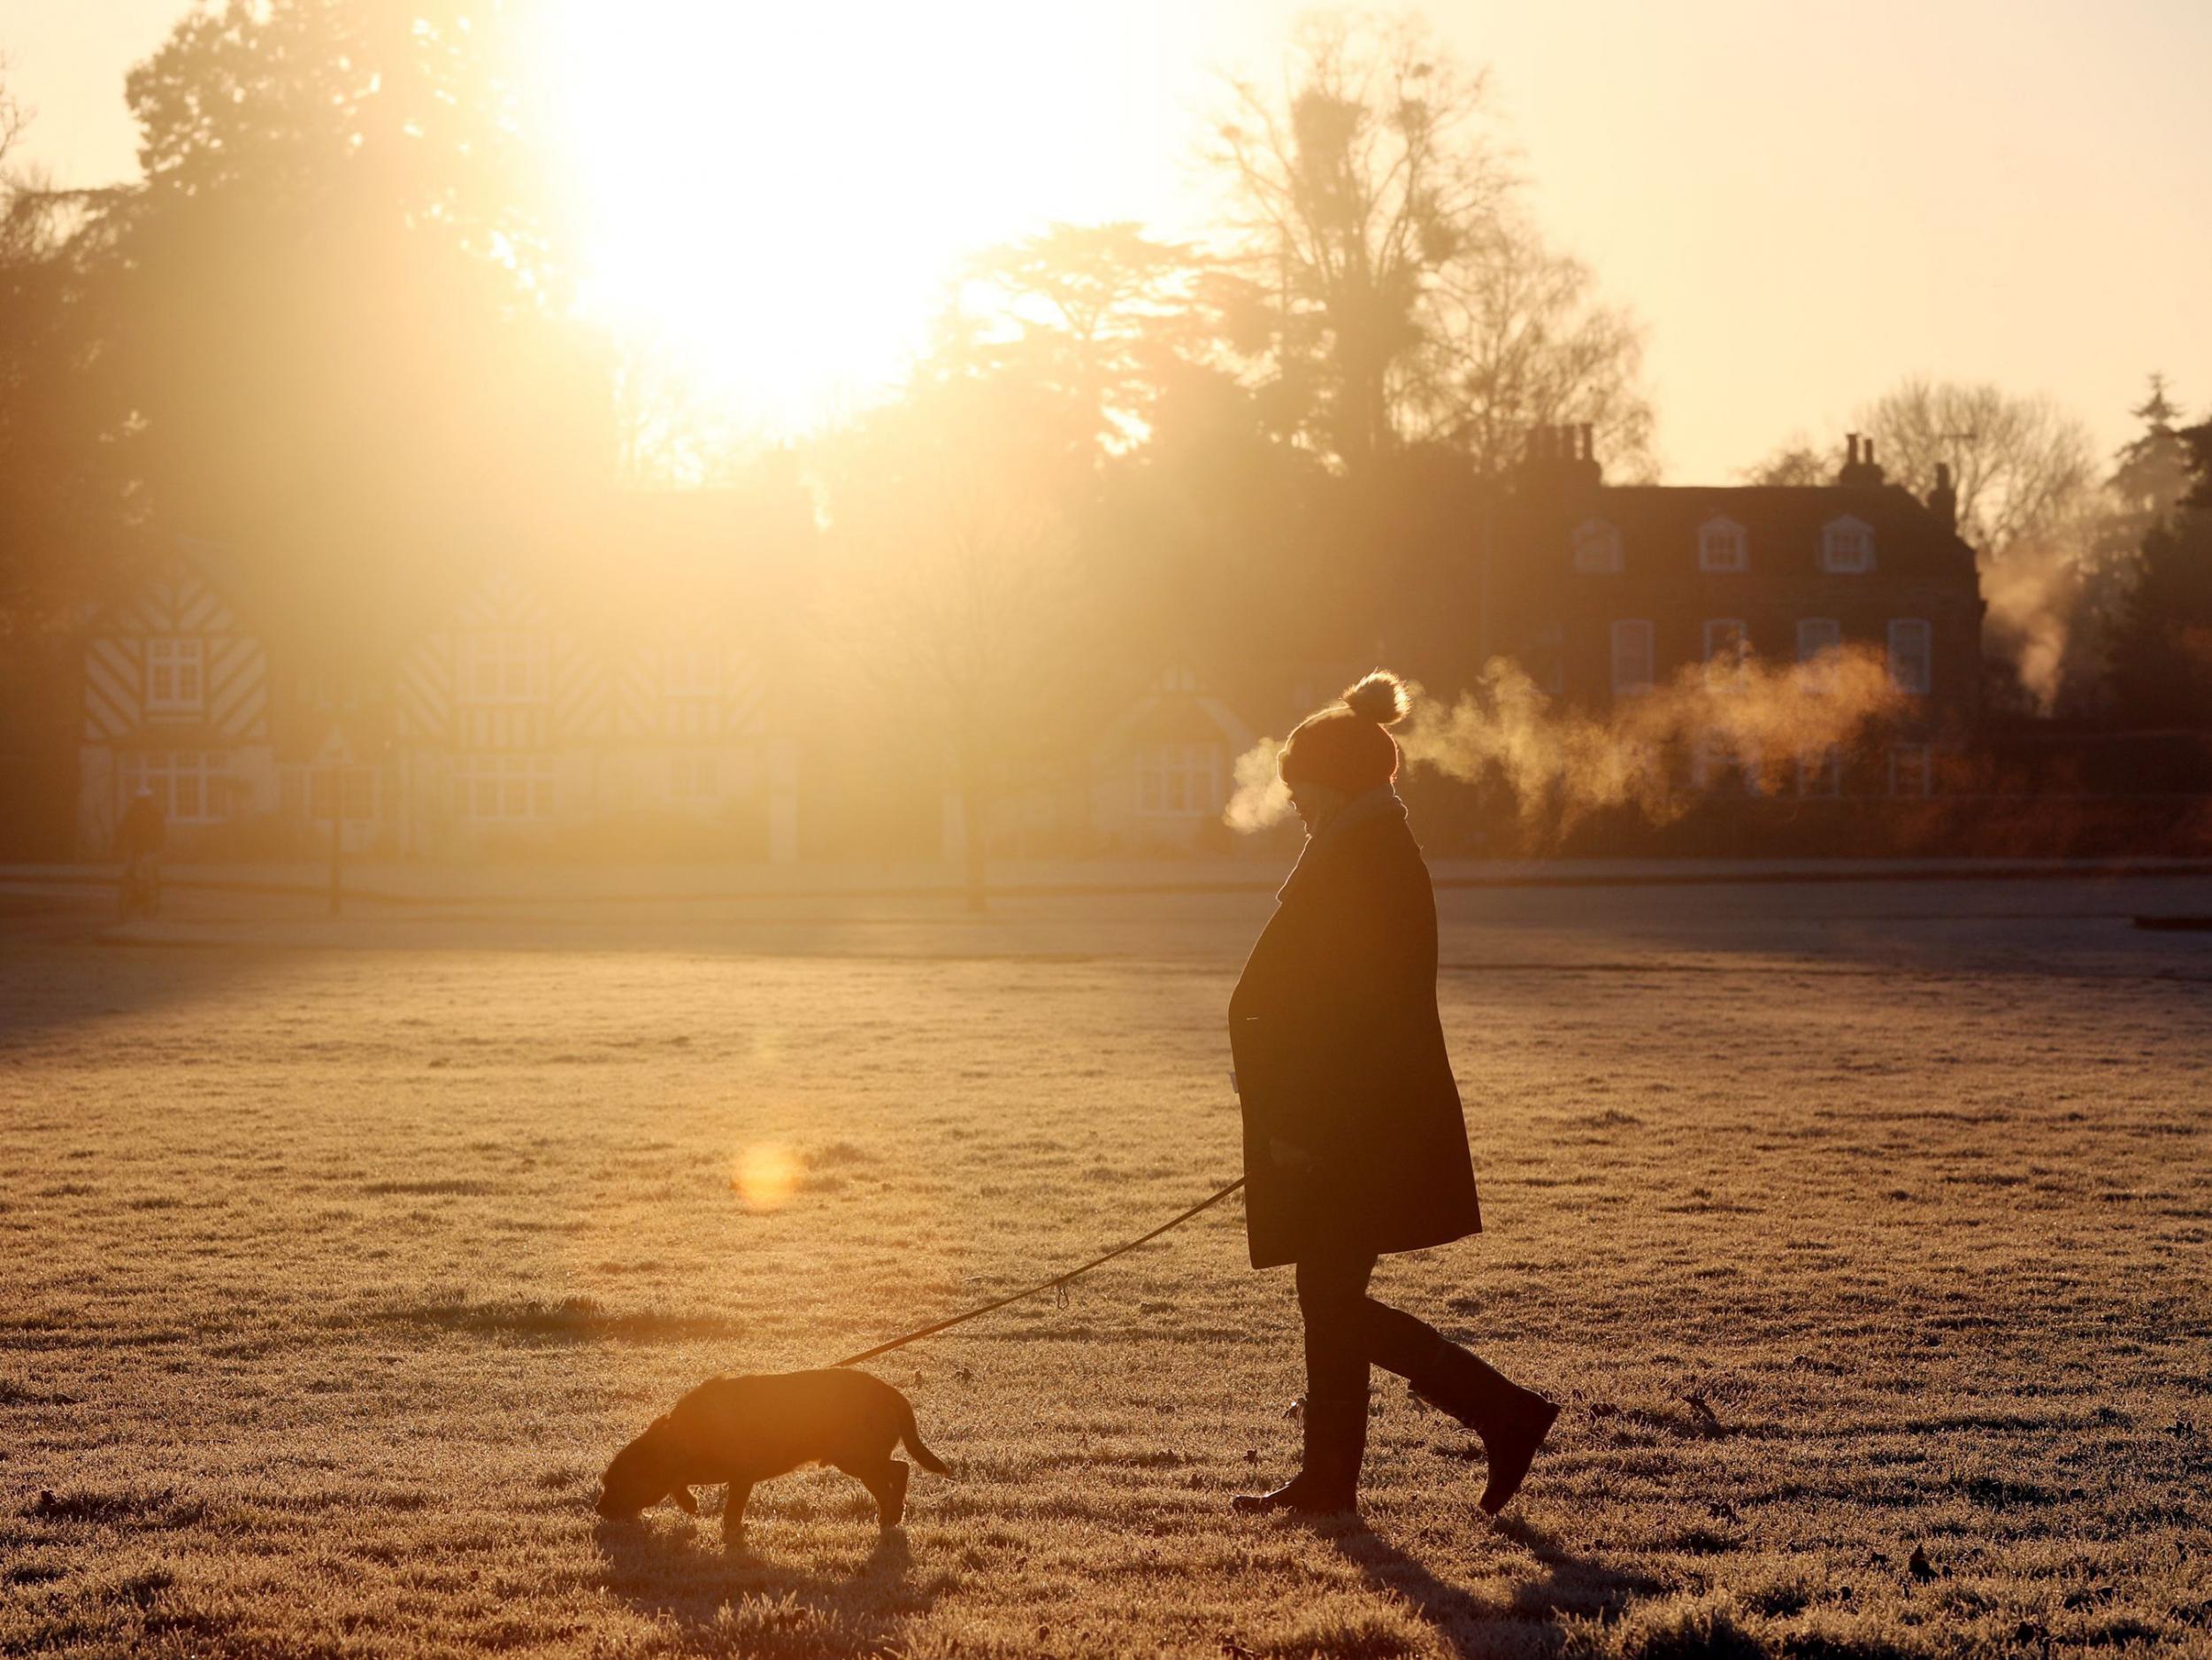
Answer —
1802 202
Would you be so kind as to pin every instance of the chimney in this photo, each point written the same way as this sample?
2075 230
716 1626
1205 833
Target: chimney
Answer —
1588 474
1560 456
1859 469
1943 501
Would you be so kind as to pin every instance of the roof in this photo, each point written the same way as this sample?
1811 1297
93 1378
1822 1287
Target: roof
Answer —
1781 521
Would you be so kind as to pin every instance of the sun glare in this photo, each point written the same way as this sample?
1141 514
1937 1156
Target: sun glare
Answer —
775 198
764 1175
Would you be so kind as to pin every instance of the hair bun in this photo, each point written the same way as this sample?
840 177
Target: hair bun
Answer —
1380 697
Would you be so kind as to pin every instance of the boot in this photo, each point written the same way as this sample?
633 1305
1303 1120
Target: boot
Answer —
1510 1421
1335 1447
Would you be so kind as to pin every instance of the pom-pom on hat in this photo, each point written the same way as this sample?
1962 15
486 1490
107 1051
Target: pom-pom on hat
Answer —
1346 746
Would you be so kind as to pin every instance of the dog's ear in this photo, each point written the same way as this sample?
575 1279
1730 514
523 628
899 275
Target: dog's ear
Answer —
683 1501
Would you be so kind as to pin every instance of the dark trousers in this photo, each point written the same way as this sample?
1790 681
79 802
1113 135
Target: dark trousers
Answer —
1346 1331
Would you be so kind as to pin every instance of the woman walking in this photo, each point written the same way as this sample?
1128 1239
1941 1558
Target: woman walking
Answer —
1354 1143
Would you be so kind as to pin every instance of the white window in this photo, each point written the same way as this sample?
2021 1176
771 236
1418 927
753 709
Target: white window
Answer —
503 787
1910 655
1179 779
1722 545
189 786
503 668
691 672
692 777
1846 545
1727 653
1597 548
172 676
1820 771
1632 652
1908 770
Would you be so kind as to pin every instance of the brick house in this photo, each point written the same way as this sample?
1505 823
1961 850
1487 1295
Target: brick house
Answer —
1601 591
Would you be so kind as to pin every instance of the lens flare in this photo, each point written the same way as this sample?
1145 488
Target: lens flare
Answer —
766 1175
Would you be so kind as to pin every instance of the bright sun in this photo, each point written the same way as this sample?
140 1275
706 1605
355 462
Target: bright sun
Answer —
775 196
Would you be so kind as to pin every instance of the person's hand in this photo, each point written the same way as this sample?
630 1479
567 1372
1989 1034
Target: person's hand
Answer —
1288 1155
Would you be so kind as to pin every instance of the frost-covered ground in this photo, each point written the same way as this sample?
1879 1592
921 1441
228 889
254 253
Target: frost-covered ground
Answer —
1848 1219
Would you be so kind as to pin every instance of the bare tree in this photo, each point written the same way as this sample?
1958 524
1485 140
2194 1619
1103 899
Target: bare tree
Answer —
1798 462
2025 470
14 118
1385 277
1521 345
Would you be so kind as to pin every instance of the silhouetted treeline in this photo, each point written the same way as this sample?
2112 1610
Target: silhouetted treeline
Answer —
333 330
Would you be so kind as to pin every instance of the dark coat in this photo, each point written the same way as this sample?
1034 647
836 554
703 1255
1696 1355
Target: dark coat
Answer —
1339 1051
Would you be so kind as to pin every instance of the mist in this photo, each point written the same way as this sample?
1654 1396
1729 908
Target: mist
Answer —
1562 765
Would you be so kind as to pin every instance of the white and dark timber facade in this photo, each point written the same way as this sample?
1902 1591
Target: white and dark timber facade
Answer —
523 718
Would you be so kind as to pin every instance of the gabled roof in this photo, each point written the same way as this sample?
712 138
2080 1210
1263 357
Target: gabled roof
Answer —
1780 521
1783 509
154 586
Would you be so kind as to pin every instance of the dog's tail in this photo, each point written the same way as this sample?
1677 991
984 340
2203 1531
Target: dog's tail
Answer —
912 1437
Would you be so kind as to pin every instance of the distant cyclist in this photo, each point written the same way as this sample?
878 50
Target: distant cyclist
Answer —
140 838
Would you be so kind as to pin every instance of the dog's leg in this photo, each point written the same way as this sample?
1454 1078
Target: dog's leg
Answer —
734 1511
888 1484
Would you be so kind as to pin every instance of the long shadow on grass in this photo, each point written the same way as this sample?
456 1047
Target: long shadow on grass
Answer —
1579 1586
689 1577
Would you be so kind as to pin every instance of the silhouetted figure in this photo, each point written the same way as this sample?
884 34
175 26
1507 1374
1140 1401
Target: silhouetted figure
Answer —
140 838
1354 1142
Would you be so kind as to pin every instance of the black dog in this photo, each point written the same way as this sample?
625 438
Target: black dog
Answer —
744 1430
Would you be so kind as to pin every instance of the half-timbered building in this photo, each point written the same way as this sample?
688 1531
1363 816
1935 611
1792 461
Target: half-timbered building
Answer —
176 702
613 697
523 718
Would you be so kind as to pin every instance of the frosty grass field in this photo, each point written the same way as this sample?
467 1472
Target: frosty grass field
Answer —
1862 1227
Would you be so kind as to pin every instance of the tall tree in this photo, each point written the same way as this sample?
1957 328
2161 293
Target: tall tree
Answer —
1100 315
2150 476
1386 280
335 313
955 609
67 510
2163 663
66 505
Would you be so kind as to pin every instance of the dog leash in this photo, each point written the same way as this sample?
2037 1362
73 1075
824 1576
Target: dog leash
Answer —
1046 1285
